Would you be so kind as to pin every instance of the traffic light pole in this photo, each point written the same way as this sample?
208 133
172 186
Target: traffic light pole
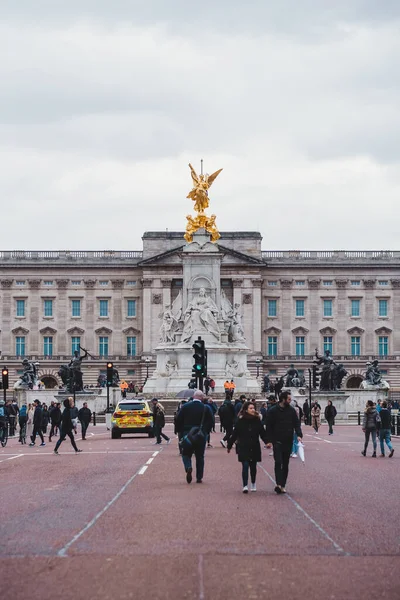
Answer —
309 394
108 398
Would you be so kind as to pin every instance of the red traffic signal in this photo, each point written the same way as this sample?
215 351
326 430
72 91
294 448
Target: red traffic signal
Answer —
4 378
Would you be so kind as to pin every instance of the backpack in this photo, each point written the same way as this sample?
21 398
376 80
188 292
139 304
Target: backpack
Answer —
2 412
195 438
22 411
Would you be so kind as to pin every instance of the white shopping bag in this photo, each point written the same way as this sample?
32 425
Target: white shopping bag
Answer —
300 451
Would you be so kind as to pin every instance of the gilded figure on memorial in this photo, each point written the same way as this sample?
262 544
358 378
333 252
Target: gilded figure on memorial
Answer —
199 195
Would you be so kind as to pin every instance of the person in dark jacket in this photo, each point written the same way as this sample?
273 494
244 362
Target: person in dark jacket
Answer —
192 415
67 427
159 422
282 423
55 419
37 424
369 426
306 413
238 405
45 418
74 414
385 430
330 414
84 416
247 433
226 414
12 417
22 421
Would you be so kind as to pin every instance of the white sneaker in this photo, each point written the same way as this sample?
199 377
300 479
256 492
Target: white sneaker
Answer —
245 489
293 455
253 487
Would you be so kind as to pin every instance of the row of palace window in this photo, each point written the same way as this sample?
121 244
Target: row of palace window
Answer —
355 345
327 308
76 308
48 345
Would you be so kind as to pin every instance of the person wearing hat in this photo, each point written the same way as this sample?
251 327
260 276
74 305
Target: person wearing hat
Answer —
37 424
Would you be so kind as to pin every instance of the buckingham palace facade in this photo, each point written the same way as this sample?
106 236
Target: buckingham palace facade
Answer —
110 302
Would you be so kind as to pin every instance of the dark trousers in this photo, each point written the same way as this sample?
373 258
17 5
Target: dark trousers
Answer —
199 454
53 427
37 430
159 434
84 429
330 423
62 438
372 433
22 423
246 465
228 431
282 451
11 420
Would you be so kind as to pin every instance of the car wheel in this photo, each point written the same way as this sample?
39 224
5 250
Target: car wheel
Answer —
115 435
151 434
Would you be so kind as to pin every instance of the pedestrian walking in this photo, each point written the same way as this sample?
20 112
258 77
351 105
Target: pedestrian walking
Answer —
306 413
207 382
330 414
212 385
74 414
22 421
385 430
45 418
84 416
159 422
369 427
316 416
227 390
226 415
12 417
247 433
29 425
37 424
192 416
214 410
238 405
282 423
67 426
55 420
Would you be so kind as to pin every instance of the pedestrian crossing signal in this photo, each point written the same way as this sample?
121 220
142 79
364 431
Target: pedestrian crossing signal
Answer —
4 378
200 358
315 376
110 373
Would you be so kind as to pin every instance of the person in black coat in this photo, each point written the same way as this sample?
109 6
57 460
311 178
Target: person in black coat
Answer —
247 433
45 418
67 427
37 424
84 416
191 415
226 414
55 419
282 422
330 414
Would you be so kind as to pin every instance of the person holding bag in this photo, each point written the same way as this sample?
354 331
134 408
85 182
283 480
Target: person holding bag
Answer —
193 423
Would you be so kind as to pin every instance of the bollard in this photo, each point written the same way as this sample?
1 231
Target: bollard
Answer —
94 418
359 417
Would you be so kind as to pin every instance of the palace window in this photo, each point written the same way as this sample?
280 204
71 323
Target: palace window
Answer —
272 308
327 306
383 345
48 308
48 346
131 283
131 308
75 343
355 282
383 282
20 308
48 283
19 283
20 345
103 346
76 308
272 283
355 308
76 282
327 282
272 345
103 282
383 308
328 343
103 312
300 345
131 346
299 308
300 282
355 345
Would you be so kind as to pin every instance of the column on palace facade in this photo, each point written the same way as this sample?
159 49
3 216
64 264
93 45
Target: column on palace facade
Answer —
315 312
7 310
89 317
286 311
117 297
62 312
257 329
147 307
370 310
395 341
166 293
33 323
341 336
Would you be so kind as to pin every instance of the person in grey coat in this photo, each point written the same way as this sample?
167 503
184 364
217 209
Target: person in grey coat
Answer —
369 426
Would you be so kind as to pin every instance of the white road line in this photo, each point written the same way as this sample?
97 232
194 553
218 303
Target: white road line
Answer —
87 452
155 453
64 550
11 457
142 470
328 441
305 513
201 577
150 461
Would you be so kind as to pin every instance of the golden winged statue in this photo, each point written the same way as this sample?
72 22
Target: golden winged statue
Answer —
199 195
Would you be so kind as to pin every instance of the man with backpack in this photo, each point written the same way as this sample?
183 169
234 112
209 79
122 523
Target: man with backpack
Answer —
22 421
194 422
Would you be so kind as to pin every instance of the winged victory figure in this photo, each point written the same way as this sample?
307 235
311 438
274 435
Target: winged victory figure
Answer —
201 185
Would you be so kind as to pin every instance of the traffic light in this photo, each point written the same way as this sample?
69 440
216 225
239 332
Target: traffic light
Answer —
200 359
110 373
4 378
315 376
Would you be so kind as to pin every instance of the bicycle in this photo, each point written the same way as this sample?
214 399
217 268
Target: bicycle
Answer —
3 434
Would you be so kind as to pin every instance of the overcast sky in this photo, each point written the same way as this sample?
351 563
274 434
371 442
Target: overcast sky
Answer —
103 104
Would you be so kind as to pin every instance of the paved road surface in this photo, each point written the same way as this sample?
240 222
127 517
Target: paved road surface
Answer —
120 521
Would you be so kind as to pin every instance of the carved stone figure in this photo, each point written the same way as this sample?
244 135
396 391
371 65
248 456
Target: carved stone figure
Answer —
373 378
76 379
266 384
337 376
291 375
328 365
201 314
233 369
171 368
201 185
169 326
29 378
236 328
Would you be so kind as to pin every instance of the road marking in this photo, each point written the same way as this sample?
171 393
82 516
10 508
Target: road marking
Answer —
305 513
155 453
38 453
328 441
11 457
64 550
150 461
142 470
201 577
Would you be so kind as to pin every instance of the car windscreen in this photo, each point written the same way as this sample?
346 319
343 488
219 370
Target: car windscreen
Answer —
131 406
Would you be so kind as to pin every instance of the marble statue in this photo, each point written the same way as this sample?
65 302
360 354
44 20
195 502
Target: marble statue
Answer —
171 368
169 326
201 314
29 377
337 376
373 378
232 319
328 365
292 377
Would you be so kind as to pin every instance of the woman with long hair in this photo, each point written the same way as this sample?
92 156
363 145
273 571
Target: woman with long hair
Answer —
247 433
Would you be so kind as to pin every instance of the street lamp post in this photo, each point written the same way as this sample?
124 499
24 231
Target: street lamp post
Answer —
147 361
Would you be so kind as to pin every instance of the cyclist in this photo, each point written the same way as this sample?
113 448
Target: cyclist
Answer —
22 420
3 423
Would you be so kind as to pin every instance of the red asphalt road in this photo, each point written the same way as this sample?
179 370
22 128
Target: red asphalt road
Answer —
105 524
